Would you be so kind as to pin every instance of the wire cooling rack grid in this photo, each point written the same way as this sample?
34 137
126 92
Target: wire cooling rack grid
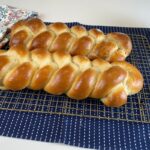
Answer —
136 110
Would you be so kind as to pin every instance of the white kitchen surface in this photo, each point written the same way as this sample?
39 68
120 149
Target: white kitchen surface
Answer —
127 13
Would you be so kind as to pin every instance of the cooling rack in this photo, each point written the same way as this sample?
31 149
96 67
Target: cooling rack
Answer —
137 108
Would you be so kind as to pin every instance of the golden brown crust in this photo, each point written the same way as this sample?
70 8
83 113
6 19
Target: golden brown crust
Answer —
42 40
103 50
17 25
62 42
20 52
40 53
83 84
18 38
77 40
35 25
123 40
101 65
6 64
108 80
117 99
77 77
135 79
61 80
19 78
82 46
97 34
79 31
58 27
117 56
4 60
41 77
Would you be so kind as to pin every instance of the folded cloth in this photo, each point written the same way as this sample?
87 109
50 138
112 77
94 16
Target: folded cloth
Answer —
10 15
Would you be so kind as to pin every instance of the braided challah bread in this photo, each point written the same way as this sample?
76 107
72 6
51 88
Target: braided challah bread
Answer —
76 40
77 77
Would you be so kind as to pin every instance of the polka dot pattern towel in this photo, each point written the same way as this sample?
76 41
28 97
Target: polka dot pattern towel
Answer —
77 131
8 16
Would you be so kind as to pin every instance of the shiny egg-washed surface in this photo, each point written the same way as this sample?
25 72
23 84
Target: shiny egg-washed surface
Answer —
77 40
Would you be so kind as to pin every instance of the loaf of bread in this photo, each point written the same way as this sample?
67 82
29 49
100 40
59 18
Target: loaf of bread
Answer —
76 76
76 40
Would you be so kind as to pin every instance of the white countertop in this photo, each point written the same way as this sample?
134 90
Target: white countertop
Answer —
128 13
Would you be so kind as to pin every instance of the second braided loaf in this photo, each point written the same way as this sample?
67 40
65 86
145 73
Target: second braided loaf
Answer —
76 40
